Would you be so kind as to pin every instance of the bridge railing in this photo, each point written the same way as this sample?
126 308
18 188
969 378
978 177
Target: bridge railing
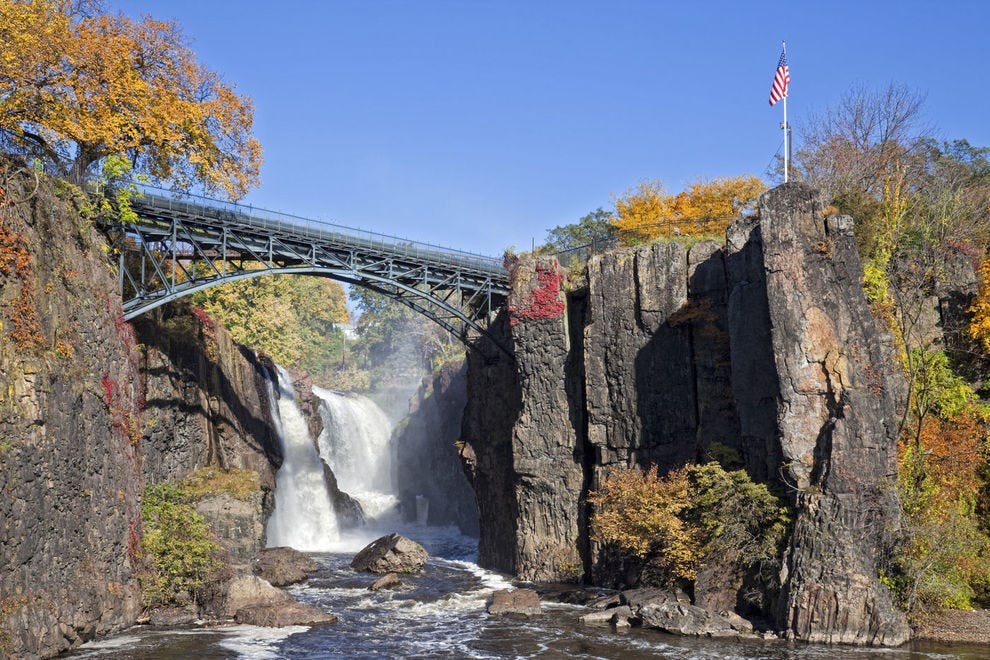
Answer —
196 206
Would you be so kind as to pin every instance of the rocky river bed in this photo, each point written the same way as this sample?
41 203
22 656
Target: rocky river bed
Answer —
441 614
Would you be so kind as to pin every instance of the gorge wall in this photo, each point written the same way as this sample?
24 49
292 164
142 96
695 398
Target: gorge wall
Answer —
92 409
763 345
70 439
207 405
426 442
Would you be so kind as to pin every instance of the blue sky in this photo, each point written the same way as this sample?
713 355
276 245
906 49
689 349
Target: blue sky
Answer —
481 124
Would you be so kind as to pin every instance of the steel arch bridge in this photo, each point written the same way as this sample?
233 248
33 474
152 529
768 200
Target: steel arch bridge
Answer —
181 244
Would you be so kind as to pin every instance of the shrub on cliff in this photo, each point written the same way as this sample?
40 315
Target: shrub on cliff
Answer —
185 560
675 523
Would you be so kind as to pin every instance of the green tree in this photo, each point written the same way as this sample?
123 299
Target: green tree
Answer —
294 319
185 558
593 233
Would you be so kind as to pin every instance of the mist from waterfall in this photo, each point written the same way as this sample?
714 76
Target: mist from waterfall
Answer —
303 517
356 444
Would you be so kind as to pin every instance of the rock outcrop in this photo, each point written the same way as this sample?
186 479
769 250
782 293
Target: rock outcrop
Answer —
70 427
837 425
283 566
208 405
762 348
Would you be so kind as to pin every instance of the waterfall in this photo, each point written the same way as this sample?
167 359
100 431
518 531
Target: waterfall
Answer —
356 444
303 517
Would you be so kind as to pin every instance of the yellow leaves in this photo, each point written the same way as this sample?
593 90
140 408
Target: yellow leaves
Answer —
80 86
979 327
639 513
704 209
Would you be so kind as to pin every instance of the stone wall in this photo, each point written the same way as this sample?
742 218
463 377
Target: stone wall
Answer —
762 346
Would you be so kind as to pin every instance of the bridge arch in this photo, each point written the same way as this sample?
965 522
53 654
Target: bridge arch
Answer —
181 244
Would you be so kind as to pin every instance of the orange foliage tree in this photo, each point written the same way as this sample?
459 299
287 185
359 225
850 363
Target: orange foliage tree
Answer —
81 85
704 209
979 327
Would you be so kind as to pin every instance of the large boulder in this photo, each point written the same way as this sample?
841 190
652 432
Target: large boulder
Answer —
683 619
515 601
283 566
249 590
284 614
393 553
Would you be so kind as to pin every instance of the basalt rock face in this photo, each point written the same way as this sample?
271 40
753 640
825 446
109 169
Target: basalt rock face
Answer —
207 398
761 349
429 469
521 435
208 405
70 441
837 421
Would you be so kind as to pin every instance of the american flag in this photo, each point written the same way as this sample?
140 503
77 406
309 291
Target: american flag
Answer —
781 79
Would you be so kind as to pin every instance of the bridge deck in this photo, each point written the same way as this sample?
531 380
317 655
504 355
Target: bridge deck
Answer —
154 203
183 243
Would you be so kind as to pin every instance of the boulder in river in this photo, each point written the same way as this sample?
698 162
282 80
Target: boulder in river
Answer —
393 553
283 614
250 590
683 619
515 601
387 581
283 566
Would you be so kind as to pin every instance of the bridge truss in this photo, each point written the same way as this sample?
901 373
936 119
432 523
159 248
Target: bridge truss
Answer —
183 244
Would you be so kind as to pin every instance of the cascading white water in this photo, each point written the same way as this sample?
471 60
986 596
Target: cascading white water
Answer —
355 443
303 517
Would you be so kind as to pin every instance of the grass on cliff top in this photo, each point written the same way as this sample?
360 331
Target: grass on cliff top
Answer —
239 484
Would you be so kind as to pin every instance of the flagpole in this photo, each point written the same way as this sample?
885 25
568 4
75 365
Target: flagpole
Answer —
784 45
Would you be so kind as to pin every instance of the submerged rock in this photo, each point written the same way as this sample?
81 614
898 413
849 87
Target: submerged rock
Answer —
515 601
393 553
286 614
387 581
283 566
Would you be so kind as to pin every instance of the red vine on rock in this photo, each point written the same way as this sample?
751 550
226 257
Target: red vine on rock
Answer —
133 540
208 323
110 389
15 258
543 301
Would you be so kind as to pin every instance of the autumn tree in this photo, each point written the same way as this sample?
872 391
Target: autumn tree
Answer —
675 523
80 85
705 209
294 319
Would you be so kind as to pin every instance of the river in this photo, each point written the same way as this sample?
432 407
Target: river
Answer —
437 614
441 614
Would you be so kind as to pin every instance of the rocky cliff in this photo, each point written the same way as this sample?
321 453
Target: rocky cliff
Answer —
207 404
70 427
91 412
427 443
762 346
